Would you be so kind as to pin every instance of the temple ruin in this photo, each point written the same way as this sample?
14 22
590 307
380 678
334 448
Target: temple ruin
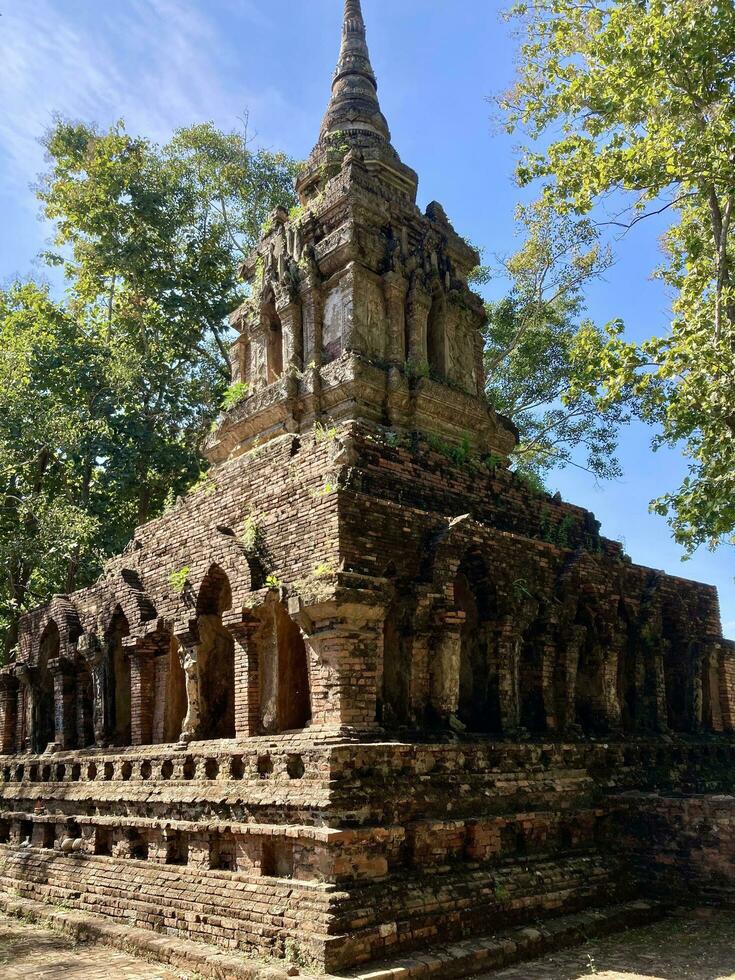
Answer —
365 692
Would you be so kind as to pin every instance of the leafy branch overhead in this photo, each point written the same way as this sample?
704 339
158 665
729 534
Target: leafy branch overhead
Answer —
107 395
629 110
533 338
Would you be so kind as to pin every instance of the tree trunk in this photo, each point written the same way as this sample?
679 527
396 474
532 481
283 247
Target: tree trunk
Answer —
72 569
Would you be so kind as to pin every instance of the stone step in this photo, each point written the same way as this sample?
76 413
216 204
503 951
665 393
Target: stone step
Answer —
501 949
443 962
196 958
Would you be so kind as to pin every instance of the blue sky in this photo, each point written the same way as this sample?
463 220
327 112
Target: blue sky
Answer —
160 64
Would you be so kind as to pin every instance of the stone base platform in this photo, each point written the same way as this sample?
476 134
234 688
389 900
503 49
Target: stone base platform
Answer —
331 856
458 960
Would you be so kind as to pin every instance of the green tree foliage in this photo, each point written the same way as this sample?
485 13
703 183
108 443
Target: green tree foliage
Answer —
122 380
50 380
634 102
532 343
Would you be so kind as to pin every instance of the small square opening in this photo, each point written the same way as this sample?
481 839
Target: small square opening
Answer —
222 855
277 857
103 840
177 848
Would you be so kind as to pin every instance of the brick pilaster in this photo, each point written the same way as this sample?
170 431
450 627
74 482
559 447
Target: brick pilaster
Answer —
8 713
65 703
247 678
142 690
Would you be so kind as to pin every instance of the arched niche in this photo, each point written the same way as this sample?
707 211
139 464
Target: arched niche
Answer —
118 693
680 663
273 340
531 666
436 335
479 671
216 658
169 687
394 703
631 672
294 701
285 697
44 711
174 706
589 691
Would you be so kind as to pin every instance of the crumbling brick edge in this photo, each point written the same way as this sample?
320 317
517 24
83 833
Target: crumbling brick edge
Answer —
457 960
181 954
511 946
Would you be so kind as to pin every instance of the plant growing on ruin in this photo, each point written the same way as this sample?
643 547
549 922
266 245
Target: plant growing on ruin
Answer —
461 453
324 433
204 485
272 582
521 589
251 534
325 490
296 955
178 580
530 480
235 395
416 371
501 892
492 462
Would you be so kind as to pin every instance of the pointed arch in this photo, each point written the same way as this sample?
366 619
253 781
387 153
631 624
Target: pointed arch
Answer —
475 596
62 612
43 706
215 592
215 656
274 338
117 690
394 709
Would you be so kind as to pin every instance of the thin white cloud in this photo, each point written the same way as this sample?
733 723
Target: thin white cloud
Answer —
153 62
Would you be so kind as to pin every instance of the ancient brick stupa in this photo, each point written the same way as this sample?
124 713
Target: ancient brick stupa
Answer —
365 693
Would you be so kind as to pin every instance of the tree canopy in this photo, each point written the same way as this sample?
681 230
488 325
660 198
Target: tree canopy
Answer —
533 339
629 107
106 394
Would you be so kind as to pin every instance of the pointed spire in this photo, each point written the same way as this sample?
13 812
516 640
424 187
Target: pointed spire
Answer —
354 104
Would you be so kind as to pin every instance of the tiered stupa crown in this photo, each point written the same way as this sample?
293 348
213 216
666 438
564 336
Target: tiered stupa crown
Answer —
360 306
354 104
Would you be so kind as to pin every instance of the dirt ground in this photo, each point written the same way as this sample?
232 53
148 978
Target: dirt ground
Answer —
29 951
695 946
691 946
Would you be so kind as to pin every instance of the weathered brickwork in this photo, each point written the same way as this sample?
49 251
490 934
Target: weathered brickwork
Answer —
363 690
682 845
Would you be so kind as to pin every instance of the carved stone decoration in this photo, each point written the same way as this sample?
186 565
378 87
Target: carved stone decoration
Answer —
28 678
91 649
190 664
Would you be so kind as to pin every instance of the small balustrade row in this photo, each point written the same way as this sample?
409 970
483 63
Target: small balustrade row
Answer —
312 853
187 768
252 853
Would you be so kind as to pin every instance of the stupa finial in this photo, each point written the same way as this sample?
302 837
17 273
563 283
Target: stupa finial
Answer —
354 104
